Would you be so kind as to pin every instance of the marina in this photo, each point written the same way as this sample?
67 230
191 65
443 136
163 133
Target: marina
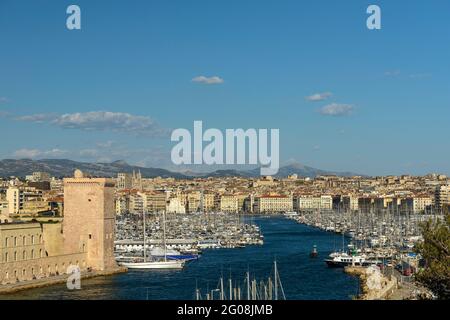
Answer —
285 241
382 239
179 237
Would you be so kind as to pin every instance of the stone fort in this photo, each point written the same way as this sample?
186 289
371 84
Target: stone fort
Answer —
85 237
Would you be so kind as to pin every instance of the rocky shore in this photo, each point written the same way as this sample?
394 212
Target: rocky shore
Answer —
378 286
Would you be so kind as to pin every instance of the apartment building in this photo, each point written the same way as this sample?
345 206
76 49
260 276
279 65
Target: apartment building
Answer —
419 204
273 204
175 206
154 201
442 196
124 181
23 200
229 203
310 202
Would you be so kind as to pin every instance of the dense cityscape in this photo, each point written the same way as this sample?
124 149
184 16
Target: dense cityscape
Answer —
40 195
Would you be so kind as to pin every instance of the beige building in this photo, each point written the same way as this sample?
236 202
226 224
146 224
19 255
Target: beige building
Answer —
122 205
193 201
442 196
23 200
209 202
154 201
273 204
229 203
175 206
4 210
418 204
264 182
57 185
124 181
38 177
136 202
307 202
41 177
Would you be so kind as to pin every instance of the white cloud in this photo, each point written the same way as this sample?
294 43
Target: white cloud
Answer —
38 118
336 109
392 73
101 121
36 153
208 80
319 96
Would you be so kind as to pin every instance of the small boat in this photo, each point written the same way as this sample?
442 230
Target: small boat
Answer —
314 252
343 259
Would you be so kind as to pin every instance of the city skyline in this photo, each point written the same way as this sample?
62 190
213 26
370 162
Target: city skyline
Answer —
345 98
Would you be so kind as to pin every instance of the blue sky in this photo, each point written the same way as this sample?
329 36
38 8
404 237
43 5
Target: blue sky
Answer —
108 91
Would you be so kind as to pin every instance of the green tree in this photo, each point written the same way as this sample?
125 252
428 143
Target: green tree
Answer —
435 250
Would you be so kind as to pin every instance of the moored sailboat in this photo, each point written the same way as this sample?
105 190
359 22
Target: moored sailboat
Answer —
135 263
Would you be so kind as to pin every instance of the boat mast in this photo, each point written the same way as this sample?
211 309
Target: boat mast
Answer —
231 289
248 285
222 293
275 271
145 236
197 291
164 236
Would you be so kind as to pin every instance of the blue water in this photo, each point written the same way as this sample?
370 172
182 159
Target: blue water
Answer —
290 243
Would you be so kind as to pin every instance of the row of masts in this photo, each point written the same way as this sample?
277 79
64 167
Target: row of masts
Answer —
385 228
272 289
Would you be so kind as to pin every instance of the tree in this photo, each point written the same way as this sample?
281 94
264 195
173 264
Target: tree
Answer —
435 250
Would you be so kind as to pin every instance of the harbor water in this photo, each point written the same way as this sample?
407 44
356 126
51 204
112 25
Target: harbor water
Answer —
290 243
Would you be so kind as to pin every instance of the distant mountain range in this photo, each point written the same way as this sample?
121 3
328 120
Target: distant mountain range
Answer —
65 168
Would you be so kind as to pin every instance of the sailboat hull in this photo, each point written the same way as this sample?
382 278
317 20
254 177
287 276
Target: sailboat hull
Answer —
173 264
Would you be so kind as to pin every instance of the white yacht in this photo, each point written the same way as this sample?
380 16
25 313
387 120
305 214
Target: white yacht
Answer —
168 264
343 259
139 263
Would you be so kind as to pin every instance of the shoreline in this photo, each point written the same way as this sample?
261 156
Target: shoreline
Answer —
51 281
385 289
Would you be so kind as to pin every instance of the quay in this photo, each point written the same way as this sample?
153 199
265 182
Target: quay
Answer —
46 282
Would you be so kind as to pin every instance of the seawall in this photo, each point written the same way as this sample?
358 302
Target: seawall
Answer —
45 282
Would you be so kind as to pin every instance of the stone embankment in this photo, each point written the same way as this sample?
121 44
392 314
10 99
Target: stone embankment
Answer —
44 282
